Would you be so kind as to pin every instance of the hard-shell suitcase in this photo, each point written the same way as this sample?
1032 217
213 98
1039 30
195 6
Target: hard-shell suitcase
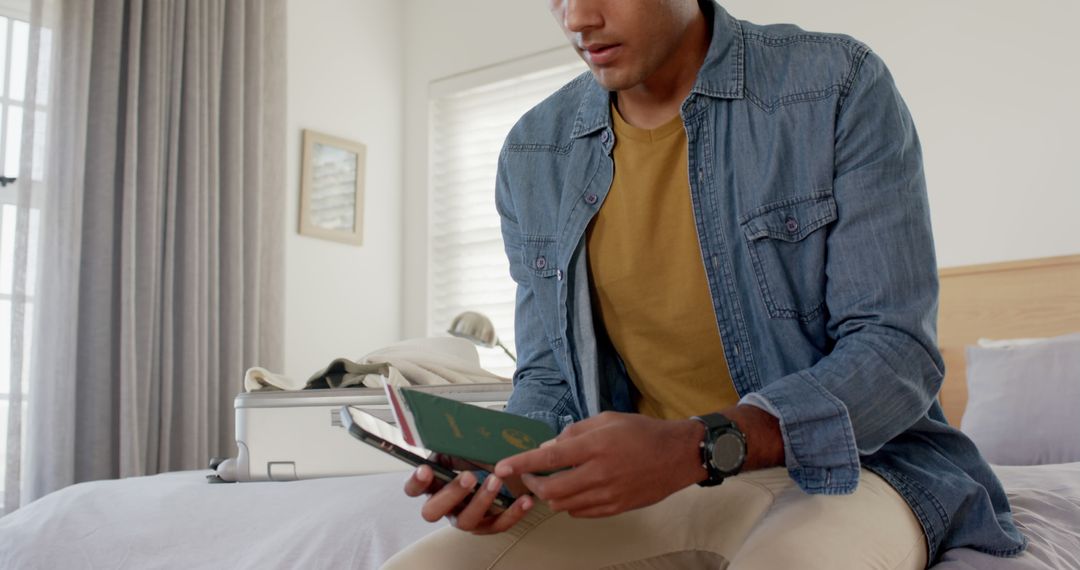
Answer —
290 435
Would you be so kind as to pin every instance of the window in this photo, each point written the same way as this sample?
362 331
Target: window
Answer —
470 118
14 61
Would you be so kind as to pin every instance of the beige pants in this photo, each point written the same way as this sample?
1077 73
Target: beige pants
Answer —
758 520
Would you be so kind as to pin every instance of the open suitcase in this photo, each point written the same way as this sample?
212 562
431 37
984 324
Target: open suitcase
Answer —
290 435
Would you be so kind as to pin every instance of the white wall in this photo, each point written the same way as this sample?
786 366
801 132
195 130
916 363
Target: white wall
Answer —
345 79
993 87
444 39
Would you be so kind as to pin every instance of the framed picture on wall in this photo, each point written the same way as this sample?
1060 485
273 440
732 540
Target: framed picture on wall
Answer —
332 188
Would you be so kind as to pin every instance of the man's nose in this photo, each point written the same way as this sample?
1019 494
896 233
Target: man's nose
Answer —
582 15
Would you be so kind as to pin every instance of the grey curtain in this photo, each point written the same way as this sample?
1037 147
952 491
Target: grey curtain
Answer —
161 273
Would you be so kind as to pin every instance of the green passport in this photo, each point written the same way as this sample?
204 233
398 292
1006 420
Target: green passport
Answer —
470 432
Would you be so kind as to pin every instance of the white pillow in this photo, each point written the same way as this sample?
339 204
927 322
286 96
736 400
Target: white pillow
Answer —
1024 401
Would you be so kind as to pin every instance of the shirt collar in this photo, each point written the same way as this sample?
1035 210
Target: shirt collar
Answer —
720 76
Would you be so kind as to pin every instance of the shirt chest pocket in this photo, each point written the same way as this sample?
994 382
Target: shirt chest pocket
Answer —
787 247
538 257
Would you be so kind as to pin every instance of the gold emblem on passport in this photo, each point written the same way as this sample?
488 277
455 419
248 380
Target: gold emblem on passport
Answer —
453 426
518 438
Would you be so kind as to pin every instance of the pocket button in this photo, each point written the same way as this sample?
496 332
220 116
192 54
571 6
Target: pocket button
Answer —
792 224
540 262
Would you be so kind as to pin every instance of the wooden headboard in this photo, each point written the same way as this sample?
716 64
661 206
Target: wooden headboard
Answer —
1016 299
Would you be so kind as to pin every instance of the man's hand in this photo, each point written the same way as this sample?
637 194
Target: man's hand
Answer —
479 515
620 462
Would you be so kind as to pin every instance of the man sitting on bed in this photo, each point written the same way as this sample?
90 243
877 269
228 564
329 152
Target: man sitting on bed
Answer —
725 273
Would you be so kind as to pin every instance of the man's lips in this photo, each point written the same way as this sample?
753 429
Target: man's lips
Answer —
601 54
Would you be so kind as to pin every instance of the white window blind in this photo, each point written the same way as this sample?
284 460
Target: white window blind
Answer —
468 268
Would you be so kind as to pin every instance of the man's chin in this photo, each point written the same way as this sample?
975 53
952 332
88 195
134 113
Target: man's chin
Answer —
614 79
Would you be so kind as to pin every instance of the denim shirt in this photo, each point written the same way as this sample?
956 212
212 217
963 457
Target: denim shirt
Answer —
806 180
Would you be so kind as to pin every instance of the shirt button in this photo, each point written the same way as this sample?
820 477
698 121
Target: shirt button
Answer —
541 262
792 224
590 199
558 274
603 136
701 174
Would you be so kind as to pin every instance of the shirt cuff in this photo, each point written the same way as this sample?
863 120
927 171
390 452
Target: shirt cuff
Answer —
819 443
758 401
555 421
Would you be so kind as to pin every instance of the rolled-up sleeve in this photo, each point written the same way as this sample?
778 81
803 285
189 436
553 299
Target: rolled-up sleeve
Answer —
884 370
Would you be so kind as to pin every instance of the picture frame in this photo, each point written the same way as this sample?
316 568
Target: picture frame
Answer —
332 188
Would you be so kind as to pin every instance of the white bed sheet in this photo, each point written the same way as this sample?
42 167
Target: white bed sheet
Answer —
1046 506
178 520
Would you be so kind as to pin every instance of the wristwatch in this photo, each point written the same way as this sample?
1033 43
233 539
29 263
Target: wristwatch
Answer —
723 449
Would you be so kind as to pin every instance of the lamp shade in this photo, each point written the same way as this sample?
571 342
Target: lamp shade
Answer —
477 329
474 327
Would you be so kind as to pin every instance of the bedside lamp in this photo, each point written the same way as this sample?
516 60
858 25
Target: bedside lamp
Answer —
476 328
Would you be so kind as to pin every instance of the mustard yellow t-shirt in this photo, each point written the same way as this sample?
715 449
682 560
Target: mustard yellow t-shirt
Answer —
648 279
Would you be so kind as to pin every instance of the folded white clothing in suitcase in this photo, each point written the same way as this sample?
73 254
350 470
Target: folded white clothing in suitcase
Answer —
289 435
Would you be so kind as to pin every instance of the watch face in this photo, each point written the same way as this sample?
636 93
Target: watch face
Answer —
728 452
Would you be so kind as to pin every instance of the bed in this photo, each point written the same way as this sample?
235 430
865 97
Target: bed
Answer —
1015 300
178 520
